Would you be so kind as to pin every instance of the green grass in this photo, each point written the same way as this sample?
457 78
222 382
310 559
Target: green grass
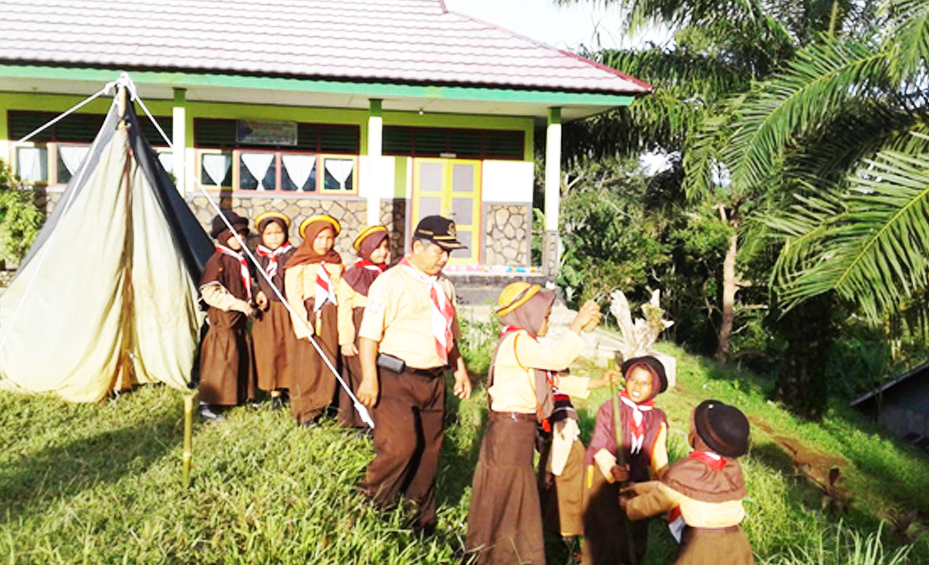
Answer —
102 483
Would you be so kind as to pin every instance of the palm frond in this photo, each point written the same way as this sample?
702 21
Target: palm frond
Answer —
813 89
875 254
910 37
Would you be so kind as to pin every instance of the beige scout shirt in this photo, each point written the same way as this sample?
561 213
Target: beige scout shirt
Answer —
399 317
300 285
349 299
513 388
654 497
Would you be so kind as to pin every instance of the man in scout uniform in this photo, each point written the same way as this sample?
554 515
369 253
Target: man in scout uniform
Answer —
408 332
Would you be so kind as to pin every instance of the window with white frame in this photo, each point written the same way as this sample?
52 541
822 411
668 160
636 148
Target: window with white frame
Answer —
289 158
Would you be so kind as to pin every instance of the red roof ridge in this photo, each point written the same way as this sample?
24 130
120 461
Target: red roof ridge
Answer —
647 88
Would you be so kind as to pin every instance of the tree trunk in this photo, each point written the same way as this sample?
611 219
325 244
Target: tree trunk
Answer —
730 287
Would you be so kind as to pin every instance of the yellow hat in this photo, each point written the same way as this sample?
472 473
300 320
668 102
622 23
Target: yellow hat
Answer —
367 232
515 295
320 218
272 215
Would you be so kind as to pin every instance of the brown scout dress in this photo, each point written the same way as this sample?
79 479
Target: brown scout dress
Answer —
273 332
605 537
312 387
226 369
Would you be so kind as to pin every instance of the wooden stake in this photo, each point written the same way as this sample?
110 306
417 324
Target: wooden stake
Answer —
188 437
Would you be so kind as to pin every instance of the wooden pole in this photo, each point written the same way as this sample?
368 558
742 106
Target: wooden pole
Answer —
188 437
621 460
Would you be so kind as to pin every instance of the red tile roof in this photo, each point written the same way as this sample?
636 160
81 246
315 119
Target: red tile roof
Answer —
403 41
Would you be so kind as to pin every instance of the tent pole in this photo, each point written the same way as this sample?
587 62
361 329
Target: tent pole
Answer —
121 100
188 436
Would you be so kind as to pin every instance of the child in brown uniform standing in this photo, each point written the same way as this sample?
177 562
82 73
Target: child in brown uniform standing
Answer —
505 521
707 488
226 370
272 331
373 254
645 431
310 279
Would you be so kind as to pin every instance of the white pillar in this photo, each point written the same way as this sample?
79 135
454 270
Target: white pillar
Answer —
551 248
179 139
375 169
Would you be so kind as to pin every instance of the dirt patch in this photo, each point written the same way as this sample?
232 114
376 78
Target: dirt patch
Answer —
822 469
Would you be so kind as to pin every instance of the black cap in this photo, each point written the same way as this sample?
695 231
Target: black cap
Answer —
218 226
440 231
723 428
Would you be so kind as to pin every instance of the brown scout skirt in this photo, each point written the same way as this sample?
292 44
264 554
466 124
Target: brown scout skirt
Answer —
275 345
505 520
351 373
605 523
226 370
719 546
313 385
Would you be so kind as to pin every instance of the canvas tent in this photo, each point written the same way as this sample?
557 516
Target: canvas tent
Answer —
107 296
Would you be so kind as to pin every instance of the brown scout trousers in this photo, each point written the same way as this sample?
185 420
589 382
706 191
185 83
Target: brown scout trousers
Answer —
407 438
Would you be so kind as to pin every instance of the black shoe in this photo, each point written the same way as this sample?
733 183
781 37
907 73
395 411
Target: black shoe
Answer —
278 403
210 414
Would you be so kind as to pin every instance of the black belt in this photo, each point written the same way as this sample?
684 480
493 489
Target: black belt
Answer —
433 373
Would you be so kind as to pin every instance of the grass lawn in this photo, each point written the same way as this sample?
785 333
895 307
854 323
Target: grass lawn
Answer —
102 483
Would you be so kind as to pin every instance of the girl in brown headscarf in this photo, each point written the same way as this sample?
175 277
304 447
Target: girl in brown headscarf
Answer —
272 330
373 255
505 521
310 279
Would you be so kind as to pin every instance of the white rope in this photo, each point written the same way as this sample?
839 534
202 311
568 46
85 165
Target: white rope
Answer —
43 252
73 109
362 410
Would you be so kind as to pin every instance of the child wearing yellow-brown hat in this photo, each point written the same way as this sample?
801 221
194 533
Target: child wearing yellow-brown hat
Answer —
504 521
373 250
311 277
272 331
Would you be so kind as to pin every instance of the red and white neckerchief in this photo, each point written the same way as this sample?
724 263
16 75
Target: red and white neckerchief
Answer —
263 251
325 290
636 426
365 264
708 458
676 523
243 268
443 312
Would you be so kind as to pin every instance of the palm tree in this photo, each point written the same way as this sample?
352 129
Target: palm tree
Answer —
721 50
847 124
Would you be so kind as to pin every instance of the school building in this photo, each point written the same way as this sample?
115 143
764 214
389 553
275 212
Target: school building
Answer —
374 111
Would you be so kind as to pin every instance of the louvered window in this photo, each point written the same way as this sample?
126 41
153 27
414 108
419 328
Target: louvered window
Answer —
453 143
55 154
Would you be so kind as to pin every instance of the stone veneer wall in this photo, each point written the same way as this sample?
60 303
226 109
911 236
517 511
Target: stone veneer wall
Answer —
507 234
393 215
46 201
350 212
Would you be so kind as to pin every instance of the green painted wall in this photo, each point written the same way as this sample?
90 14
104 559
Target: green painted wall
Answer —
61 103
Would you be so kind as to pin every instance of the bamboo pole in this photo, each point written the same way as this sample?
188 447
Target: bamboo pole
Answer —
621 460
188 437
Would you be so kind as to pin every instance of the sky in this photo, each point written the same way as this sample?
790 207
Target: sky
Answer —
558 26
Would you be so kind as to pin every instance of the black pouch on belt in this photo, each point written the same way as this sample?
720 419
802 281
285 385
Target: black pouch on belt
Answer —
391 363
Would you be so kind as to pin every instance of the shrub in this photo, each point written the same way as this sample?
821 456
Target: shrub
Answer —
20 220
